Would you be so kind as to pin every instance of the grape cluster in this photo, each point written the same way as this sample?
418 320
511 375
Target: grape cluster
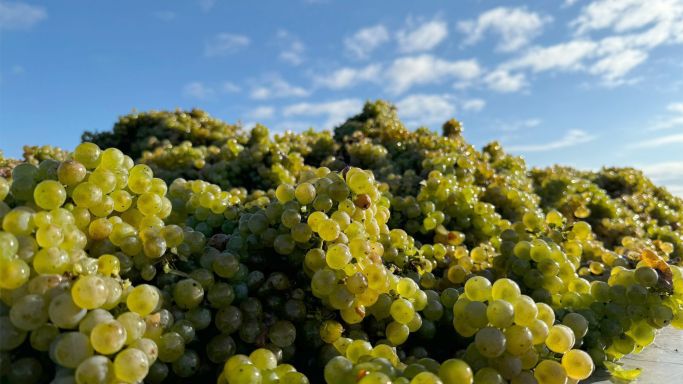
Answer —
372 254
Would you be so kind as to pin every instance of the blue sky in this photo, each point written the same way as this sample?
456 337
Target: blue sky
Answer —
576 82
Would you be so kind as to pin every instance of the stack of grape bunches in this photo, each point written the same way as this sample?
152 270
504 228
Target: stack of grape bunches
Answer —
372 254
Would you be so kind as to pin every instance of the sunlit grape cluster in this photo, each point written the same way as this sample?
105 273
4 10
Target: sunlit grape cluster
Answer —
178 248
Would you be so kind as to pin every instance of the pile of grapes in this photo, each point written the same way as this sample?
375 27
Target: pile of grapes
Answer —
177 248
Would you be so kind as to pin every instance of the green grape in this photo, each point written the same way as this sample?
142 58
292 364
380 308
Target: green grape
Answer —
87 195
89 292
131 365
488 375
577 323
71 172
64 313
94 318
188 294
338 256
263 359
525 311
519 340
560 339
108 337
550 372
505 289
426 378
87 154
13 273
305 193
49 194
11 337
455 371
94 370
402 311
577 364
490 342
478 288
143 299
70 349
500 313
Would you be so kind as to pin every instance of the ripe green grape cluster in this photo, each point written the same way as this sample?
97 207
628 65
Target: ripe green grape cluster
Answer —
199 251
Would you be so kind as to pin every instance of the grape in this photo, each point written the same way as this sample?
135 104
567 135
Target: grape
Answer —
70 349
550 372
361 253
131 365
143 299
560 339
108 337
578 364
93 370
455 371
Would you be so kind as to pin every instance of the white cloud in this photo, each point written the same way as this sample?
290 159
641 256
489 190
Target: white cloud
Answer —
659 141
569 3
426 110
613 67
675 107
334 112
474 105
500 80
291 48
275 87
516 125
165 15
230 87
366 40
407 72
348 77
516 27
224 44
198 90
571 138
291 125
423 37
262 112
17 15
568 56
628 15
669 174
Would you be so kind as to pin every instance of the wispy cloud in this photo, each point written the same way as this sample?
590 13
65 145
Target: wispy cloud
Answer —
571 138
669 174
674 119
275 87
261 113
366 40
291 48
17 15
334 112
407 72
501 80
198 90
659 141
348 77
225 44
515 27
474 105
419 37
230 87
516 125
425 109
563 56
